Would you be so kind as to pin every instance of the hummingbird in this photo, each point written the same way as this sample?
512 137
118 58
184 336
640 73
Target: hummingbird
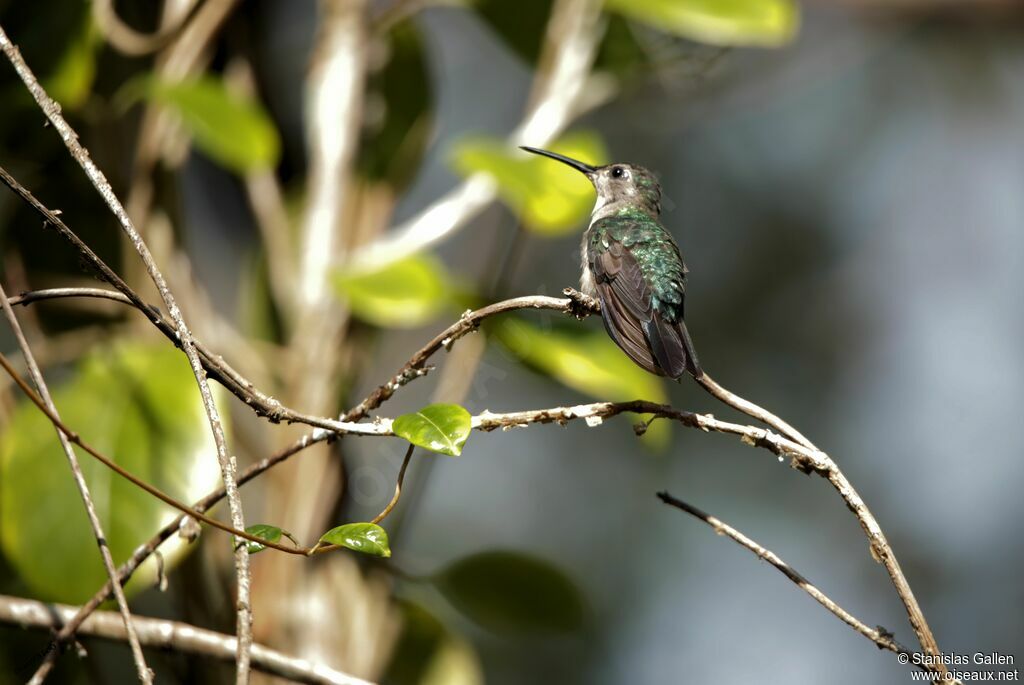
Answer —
633 266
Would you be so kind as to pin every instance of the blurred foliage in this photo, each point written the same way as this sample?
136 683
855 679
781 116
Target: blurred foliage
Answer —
588 362
70 83
233 130
719 22
429 653
137 405
404 294
521 25
368 538
550 197
442 428
512 593
399 110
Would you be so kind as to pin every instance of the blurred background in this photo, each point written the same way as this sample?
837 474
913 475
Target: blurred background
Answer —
844 180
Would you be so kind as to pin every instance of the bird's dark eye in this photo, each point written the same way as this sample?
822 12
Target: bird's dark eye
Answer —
618 172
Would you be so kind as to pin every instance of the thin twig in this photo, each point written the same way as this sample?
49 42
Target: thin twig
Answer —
145 674
171 635
398 486
880 636
227 465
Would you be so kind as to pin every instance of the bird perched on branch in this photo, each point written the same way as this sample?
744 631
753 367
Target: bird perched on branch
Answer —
632 265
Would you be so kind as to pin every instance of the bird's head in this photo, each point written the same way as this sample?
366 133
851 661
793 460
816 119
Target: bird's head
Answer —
618 185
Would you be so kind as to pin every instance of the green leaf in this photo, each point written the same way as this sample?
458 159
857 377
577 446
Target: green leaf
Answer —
235 131
399 119
140 406
589 363
440 428
262 530
403 294
550 198
719 22
368 538
509 592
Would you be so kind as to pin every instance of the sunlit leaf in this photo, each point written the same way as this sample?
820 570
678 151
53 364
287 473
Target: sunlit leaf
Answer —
138 405
398 111
589 363
509 592
235 131
719 22
368 538
550 197
403 294
440 428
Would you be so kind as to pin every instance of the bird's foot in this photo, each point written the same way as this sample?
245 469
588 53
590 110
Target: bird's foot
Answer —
581 305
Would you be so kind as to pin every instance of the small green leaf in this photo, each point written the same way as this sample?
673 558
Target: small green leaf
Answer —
136 404
440 428
719 22
368 538
262 530
404 294
509 592
589 363
550 197
235 131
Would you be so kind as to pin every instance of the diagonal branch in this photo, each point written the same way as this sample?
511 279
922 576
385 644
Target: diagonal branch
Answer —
227 465
145 674
880 636
171 635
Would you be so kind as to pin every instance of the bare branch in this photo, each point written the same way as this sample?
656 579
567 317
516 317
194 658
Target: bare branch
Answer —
227 465
881 550
170 635
880 636
145 674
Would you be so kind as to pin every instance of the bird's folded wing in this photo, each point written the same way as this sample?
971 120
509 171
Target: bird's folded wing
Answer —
629 317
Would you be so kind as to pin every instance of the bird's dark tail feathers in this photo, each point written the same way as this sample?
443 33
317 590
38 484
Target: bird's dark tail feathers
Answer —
692 364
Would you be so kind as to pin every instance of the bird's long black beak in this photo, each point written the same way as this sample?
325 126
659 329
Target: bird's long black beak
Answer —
574 163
